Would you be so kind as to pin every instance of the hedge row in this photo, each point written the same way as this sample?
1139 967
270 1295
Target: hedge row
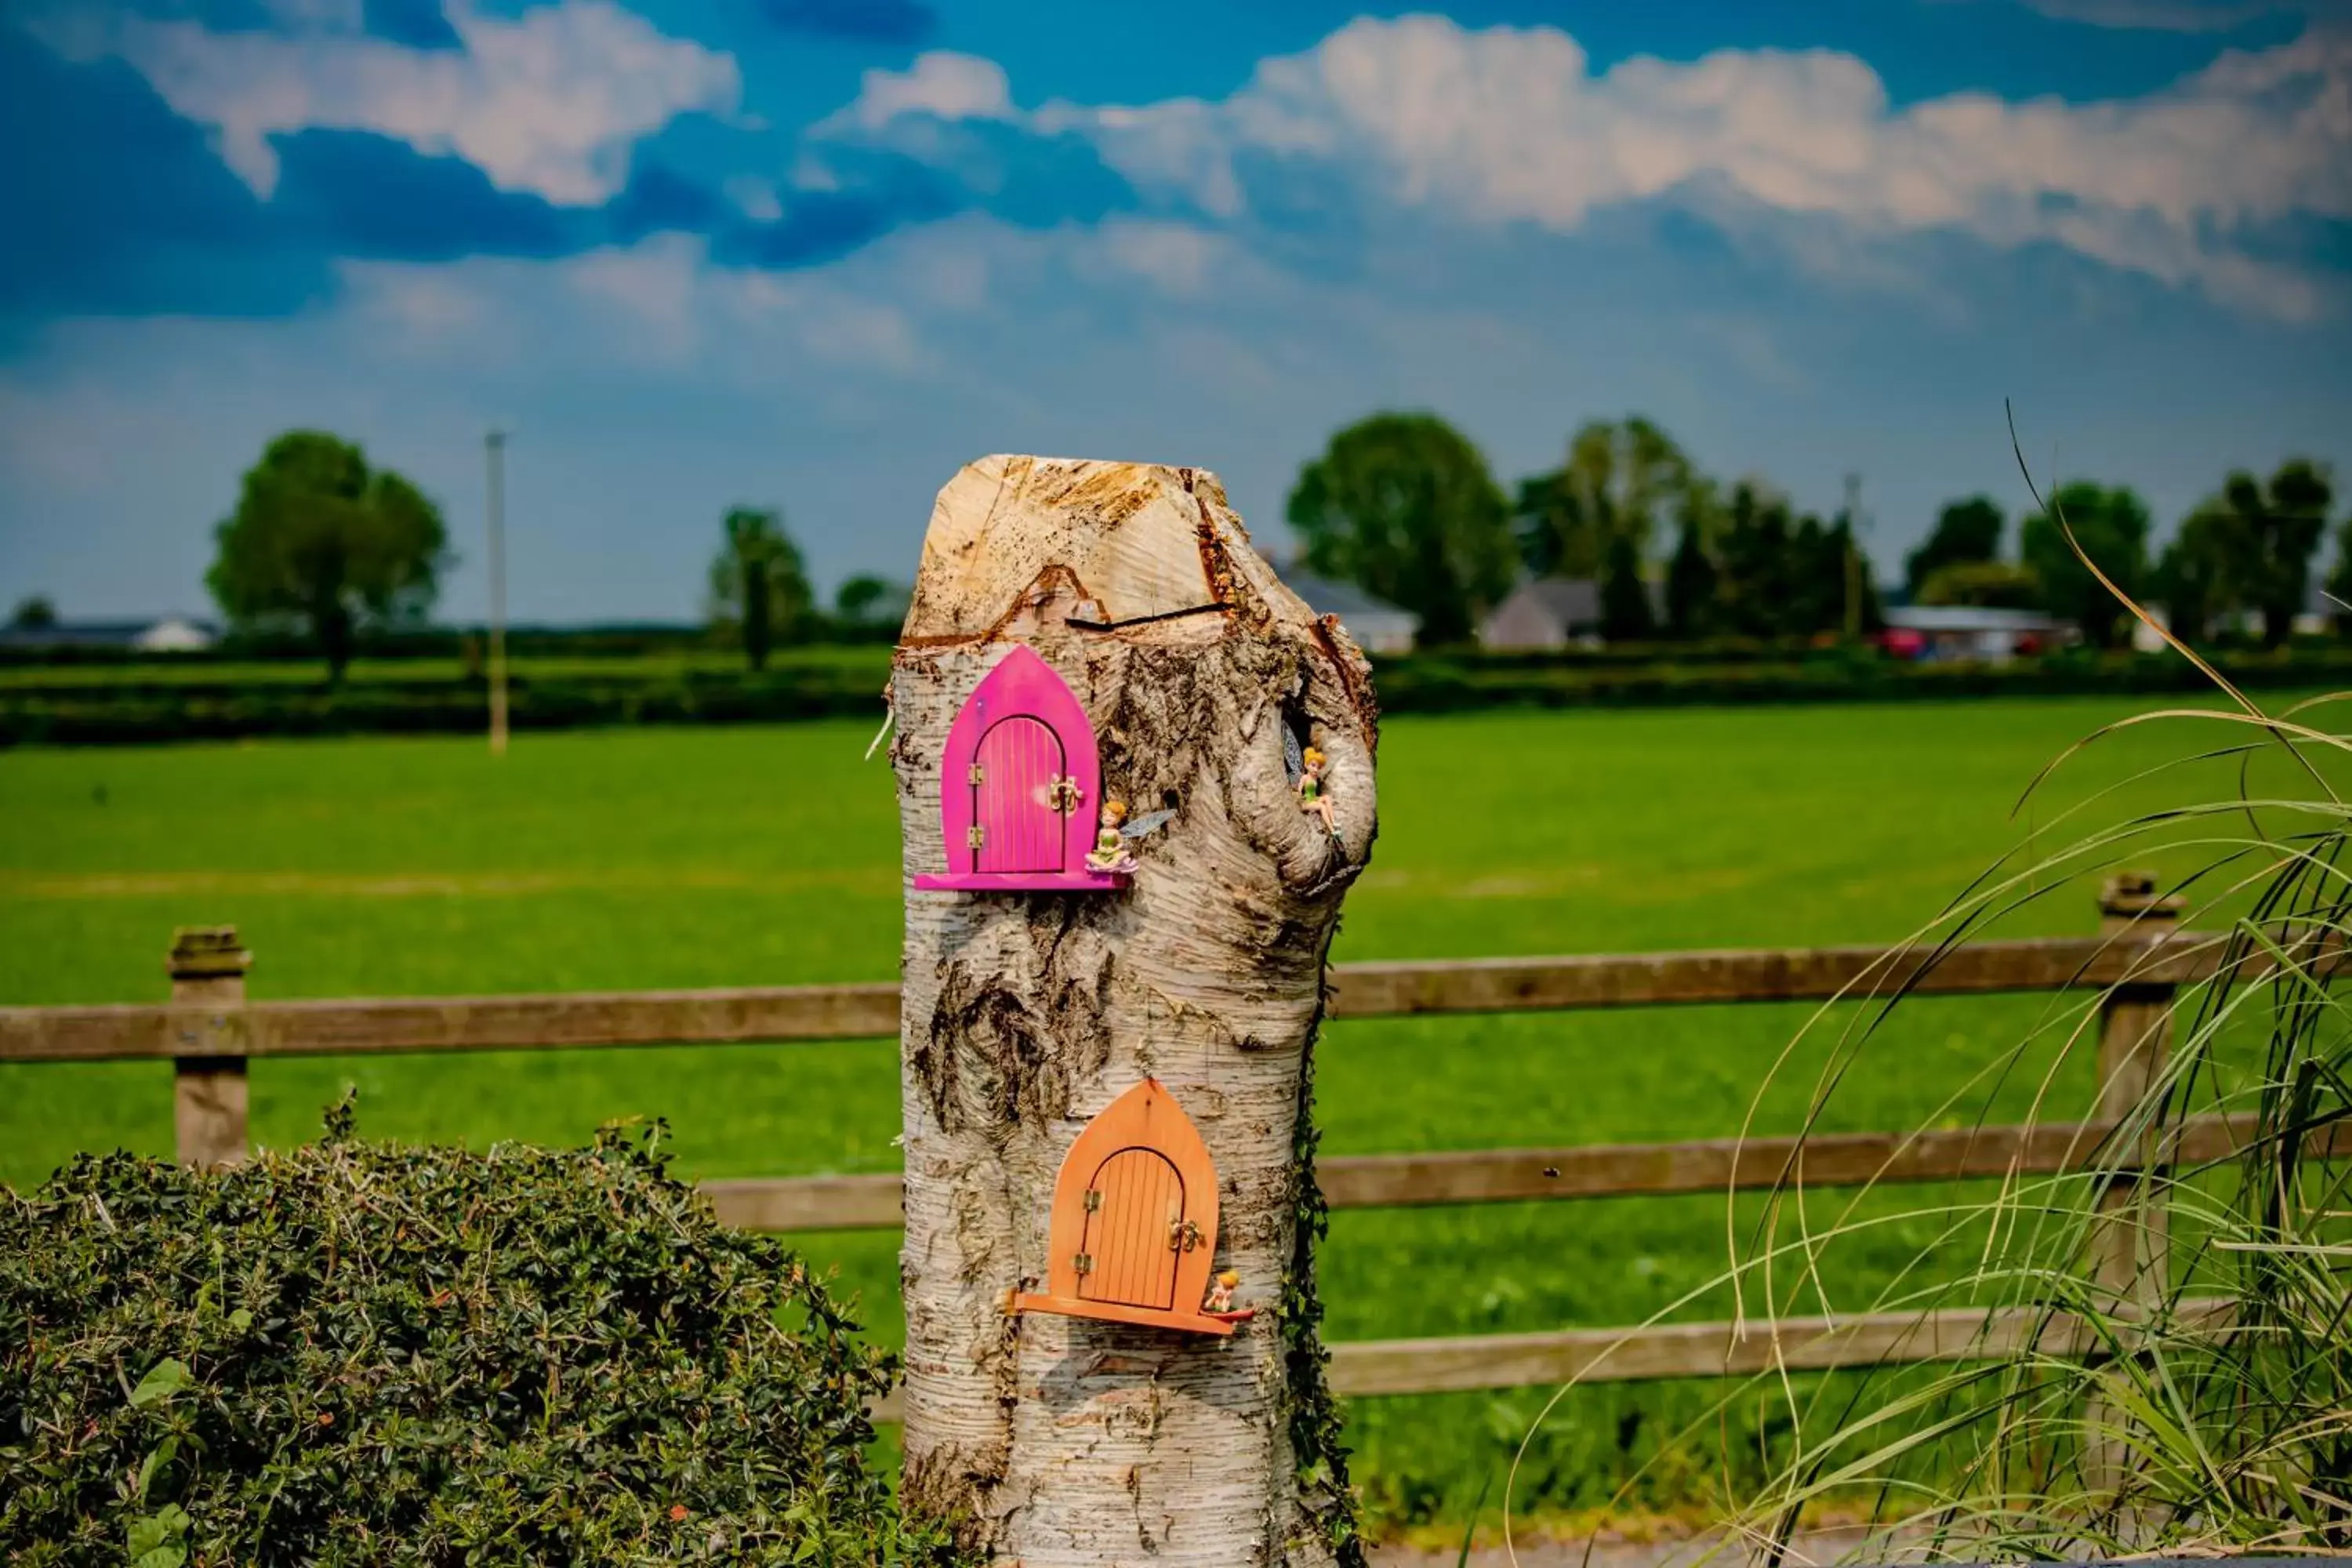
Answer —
436 642
1437 685
102 716
357 1352
1419 683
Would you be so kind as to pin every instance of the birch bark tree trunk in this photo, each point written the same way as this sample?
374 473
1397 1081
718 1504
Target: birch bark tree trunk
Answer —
1052 1441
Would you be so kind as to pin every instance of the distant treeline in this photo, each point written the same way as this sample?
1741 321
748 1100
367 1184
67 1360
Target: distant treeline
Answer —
327 556
1404 505
192 709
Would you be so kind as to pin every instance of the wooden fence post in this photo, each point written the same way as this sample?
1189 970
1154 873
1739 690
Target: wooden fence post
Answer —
2135 1036
1104 1038
208 1093
2128 1259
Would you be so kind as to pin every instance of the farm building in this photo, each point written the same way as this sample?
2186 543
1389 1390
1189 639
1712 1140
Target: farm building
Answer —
1553 612
1969 631
167 634
2316 618
1377 625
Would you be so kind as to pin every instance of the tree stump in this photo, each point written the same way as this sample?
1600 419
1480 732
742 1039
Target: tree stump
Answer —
1055 1441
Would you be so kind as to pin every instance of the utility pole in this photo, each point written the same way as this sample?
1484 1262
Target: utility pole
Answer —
1853 558
494 441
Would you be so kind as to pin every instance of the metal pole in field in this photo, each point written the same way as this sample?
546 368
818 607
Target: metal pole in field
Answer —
1853 557
494 441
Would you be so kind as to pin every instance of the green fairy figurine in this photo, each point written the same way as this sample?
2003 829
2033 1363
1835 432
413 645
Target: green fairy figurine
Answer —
1311 797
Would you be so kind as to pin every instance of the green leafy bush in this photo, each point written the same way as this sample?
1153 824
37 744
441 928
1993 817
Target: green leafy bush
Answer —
360 1354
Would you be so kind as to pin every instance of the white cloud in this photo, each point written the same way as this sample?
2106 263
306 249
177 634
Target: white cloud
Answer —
941 83
659 304
1176 257
1511 126
550 101
2168 16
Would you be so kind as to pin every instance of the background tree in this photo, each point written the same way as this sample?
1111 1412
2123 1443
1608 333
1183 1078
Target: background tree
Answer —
321 540
2195 576
2258 540
866 601
1624 597
1755 580
1620 480
1690 582
1814 598
1988 584
2111 524
2339 579
34 612
1966 531
759 584
1404 506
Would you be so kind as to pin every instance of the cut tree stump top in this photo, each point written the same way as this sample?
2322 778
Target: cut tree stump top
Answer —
1116 542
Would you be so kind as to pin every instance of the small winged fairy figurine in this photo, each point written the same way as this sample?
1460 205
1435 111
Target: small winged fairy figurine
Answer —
1111 852
1311 795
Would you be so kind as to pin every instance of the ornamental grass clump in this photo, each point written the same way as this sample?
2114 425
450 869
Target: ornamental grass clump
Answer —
2149 1352
358 1352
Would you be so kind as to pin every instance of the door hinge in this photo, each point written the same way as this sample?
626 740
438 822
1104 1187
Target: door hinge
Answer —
1084 1263
974 834
978 772
1094 1200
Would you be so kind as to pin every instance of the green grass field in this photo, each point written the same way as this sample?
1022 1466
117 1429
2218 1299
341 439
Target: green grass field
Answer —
681 857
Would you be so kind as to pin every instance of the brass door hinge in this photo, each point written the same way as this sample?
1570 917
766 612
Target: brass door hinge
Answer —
1084 1263
975 835
977 773
1094 1200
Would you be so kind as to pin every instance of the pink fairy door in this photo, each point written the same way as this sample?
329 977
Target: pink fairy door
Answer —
1016 801
1020 787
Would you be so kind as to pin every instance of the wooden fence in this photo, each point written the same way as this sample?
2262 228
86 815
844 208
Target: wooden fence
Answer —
2139 962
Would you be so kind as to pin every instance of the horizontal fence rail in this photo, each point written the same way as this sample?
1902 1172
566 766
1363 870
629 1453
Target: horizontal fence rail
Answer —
872 1202
1472 1362
210 1031
788 1012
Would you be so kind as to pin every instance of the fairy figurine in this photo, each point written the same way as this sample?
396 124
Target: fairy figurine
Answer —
1311 797
1111 852
1220 1293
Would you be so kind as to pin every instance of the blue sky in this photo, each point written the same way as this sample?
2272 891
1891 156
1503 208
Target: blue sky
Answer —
818 253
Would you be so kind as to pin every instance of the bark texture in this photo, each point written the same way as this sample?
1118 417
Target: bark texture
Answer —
1064 1441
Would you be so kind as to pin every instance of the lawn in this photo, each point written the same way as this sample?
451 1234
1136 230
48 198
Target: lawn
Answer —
682 857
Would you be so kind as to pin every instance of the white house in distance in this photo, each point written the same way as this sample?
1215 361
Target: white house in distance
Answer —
1377 625
2316 618
175 634
1548 612
1555 612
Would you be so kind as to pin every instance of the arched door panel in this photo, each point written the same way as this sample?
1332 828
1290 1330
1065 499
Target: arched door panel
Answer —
1018 821
1135 1205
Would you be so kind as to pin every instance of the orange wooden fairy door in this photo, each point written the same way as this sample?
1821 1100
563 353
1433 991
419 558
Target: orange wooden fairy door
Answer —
1134 1222
1134 1205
